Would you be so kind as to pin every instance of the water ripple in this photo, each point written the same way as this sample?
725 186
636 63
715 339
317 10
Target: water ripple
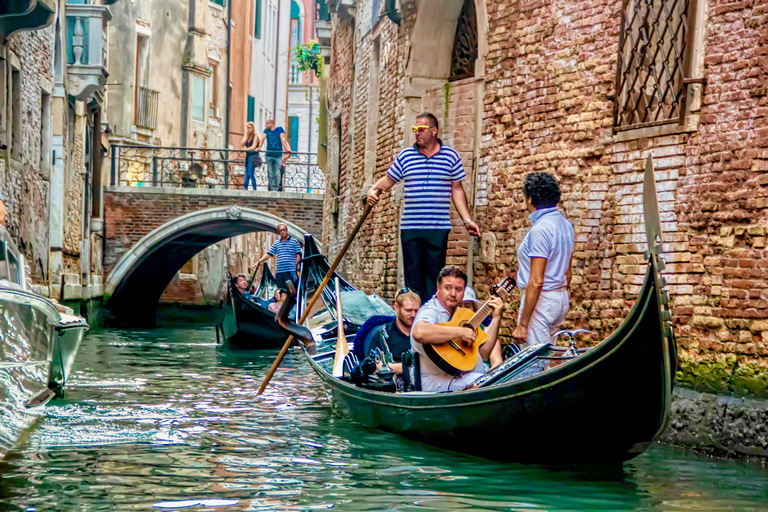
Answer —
166 419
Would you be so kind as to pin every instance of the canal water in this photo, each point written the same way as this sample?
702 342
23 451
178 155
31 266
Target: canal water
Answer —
168 420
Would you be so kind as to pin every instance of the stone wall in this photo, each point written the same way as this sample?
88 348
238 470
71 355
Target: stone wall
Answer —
23 183
548 79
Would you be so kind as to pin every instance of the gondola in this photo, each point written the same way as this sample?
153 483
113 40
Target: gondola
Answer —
546 404
38 344
248 323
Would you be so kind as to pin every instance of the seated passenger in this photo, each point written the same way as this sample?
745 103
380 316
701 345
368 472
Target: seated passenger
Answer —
241 283
280 297
451 282
394 336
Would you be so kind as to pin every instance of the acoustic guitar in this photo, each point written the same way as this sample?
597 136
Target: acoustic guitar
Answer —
456 358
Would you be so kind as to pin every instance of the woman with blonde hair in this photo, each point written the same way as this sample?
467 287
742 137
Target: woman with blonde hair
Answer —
252 160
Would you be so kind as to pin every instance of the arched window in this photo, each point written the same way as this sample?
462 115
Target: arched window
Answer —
295 24
465 43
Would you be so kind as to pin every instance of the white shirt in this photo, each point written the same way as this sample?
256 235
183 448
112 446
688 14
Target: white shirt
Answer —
432 377
550 237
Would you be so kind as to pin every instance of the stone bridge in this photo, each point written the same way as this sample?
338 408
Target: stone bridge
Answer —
150 232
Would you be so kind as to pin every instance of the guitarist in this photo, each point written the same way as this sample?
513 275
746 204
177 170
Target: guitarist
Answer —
451 283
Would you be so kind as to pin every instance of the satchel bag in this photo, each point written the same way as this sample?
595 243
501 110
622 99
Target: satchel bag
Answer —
256 160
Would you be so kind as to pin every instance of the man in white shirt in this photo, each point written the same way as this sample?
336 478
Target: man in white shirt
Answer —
451 282
544 263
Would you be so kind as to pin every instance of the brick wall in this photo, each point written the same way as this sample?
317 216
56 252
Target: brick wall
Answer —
129 216
549 79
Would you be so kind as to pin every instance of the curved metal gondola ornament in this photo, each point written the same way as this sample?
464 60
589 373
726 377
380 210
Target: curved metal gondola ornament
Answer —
655 240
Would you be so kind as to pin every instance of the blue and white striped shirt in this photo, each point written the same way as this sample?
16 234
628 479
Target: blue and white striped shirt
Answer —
286 252
427 186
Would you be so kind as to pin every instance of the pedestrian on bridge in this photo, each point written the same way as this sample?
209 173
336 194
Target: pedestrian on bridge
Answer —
278 151
252 159
287 251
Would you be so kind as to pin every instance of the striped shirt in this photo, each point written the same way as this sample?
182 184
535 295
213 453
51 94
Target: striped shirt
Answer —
286 252
427 186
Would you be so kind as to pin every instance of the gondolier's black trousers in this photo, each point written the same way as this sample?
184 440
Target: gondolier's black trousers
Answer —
424 252
282 277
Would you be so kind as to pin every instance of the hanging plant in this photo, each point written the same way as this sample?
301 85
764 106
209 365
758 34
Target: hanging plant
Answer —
309 58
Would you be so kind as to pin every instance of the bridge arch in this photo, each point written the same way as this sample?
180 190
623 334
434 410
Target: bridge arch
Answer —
137 281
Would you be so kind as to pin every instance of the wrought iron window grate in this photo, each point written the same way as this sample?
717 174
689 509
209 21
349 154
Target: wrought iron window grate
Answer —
465 43
653 48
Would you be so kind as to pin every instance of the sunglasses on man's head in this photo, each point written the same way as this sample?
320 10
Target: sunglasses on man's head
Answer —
419 129
402 291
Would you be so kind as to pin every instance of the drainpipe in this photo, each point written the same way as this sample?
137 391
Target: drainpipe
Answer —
277 60
229 70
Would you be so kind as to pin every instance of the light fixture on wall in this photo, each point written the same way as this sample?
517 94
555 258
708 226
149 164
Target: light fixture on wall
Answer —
391 12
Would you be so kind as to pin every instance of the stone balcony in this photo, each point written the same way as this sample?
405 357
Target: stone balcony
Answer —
18 15
87 49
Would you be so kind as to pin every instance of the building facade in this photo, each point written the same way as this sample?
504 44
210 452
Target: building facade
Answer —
584 90
304 88
52 78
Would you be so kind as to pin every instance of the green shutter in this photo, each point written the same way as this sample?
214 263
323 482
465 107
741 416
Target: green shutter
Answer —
218 2
257 20
251 108
295 133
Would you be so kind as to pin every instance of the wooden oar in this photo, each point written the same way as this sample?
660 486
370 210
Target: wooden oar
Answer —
314 298
341 341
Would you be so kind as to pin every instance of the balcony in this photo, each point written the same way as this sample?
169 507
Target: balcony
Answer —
86 49
146 108
18 15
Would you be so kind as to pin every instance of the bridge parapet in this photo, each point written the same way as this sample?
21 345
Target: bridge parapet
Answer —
208 169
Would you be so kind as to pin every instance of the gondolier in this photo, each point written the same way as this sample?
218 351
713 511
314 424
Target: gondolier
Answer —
544 260
432 173
287 251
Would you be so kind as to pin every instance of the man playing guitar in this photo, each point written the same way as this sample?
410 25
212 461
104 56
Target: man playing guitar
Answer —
451 282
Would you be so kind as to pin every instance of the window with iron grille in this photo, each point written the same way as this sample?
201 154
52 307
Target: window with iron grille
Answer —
465 43
654 51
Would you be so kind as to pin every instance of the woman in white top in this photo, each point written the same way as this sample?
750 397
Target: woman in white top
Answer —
544 260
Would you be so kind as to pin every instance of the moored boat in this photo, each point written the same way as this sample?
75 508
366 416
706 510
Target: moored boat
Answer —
37 350
248 323
544 404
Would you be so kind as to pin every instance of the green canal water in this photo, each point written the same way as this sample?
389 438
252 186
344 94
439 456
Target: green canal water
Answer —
168 420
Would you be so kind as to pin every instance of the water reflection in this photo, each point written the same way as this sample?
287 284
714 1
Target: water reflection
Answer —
166 418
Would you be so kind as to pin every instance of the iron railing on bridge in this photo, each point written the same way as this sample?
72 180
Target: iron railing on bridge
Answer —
154 166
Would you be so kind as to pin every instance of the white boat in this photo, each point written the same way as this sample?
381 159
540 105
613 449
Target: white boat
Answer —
38 344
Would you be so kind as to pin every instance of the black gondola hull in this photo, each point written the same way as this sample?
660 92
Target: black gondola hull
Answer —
247 324
607 405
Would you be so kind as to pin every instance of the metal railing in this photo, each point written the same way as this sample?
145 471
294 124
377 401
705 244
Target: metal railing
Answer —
146 108
154 166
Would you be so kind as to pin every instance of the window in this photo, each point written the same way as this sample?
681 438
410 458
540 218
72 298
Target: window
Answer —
257 19
142 95
15 113
198 98
652 61
45 133
213 90
295 24
465 43
251 108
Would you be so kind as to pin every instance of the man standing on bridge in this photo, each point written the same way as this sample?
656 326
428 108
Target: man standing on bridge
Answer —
288 254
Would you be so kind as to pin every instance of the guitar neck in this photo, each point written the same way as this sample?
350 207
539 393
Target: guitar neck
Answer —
481 314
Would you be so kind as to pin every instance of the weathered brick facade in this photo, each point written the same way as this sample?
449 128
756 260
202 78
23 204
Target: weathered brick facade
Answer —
130 215
547 72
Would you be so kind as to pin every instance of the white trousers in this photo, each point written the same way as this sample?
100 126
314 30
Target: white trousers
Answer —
549 315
